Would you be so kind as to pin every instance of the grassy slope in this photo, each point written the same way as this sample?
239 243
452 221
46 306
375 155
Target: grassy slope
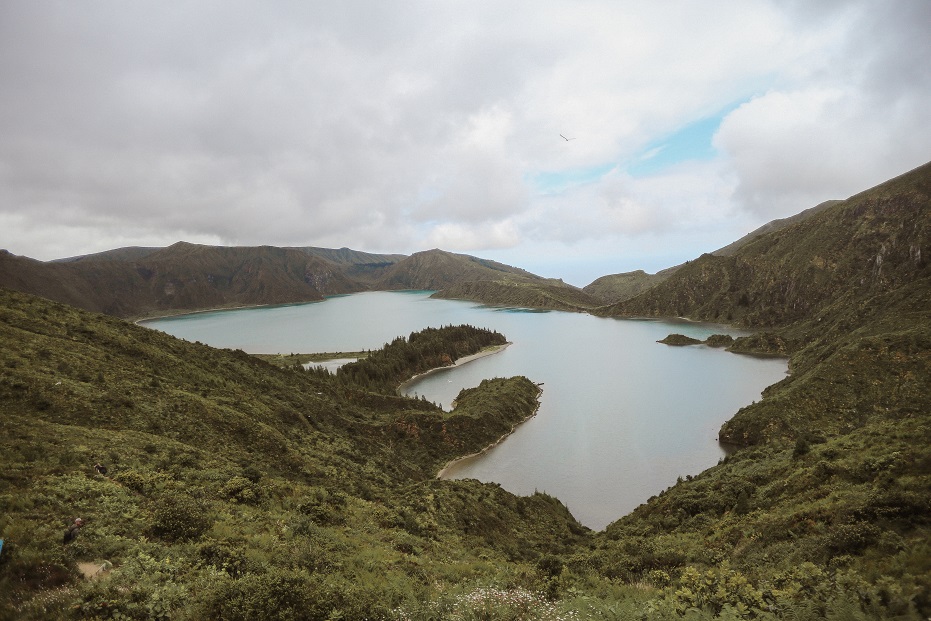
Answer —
185 277
229 476
319 497
865 246
178 278
619 287
529 294
839 474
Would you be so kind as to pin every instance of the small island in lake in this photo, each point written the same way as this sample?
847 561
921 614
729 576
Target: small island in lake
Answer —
679 340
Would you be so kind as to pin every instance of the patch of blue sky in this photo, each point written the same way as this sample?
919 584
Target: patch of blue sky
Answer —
691 143
558 181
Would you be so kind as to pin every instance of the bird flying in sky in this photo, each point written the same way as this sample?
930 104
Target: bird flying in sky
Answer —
566 139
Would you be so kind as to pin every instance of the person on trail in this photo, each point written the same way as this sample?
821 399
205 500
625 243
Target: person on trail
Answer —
100 469
72 531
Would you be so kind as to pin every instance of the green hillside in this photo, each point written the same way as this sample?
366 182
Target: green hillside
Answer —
615 288
837 483
618 287
438 269
241 490
843 255
237 489
543 294
182 277
141 282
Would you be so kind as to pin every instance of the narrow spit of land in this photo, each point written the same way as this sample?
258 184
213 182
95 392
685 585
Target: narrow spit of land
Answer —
494 349
290 360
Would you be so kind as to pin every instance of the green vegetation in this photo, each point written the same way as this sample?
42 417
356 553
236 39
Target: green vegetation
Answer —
383 370
184 277
238 489
720 340
618 287
679 340
826 512
545 294
292 360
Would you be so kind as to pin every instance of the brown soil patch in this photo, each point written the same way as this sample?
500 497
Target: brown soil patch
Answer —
92 571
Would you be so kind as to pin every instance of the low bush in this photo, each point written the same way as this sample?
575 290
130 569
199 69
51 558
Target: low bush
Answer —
179 518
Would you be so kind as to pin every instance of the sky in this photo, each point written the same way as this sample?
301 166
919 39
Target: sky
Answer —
571 139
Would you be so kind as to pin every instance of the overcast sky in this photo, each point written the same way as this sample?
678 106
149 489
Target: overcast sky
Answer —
402 126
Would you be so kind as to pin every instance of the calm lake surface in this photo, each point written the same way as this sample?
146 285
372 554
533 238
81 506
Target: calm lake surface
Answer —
621 416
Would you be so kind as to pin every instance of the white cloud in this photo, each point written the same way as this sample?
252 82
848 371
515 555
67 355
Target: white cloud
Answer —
393 128
460 237
852 117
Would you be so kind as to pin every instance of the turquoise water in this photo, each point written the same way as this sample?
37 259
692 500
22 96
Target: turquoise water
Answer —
621 416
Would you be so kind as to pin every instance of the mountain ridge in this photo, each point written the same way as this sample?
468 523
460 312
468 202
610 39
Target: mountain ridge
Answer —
186 277
872 239
240 490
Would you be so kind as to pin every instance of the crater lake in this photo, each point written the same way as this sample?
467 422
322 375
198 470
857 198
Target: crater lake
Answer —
621 416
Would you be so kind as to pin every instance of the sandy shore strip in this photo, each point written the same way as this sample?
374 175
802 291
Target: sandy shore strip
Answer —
173 313
461 361
450 464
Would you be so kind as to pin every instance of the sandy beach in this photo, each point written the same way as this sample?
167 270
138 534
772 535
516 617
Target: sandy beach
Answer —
485 352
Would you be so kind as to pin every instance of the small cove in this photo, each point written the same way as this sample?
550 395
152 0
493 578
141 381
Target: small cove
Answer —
620 417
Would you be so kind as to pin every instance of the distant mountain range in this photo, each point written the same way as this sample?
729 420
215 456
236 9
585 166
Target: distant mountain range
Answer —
144 281
134 282
242 490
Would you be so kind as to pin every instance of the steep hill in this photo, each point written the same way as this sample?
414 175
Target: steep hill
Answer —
363 267
129 253
133 282
347 256
619 287
437 269
615 288
459 276
236 489
181 277
868 245
834 488
773 226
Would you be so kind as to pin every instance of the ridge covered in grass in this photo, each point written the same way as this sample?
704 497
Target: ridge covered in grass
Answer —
237 489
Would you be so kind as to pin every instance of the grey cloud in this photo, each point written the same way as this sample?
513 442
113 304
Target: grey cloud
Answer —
386 126
860 117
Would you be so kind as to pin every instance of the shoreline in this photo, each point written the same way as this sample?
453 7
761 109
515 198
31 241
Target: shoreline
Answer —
181 313
461 361
453 462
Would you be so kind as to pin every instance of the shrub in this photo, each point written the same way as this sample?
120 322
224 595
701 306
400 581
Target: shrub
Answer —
484 603
716 589
223 556
145 482
179 518
242 490
852 538
323 507
36 569
278 595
